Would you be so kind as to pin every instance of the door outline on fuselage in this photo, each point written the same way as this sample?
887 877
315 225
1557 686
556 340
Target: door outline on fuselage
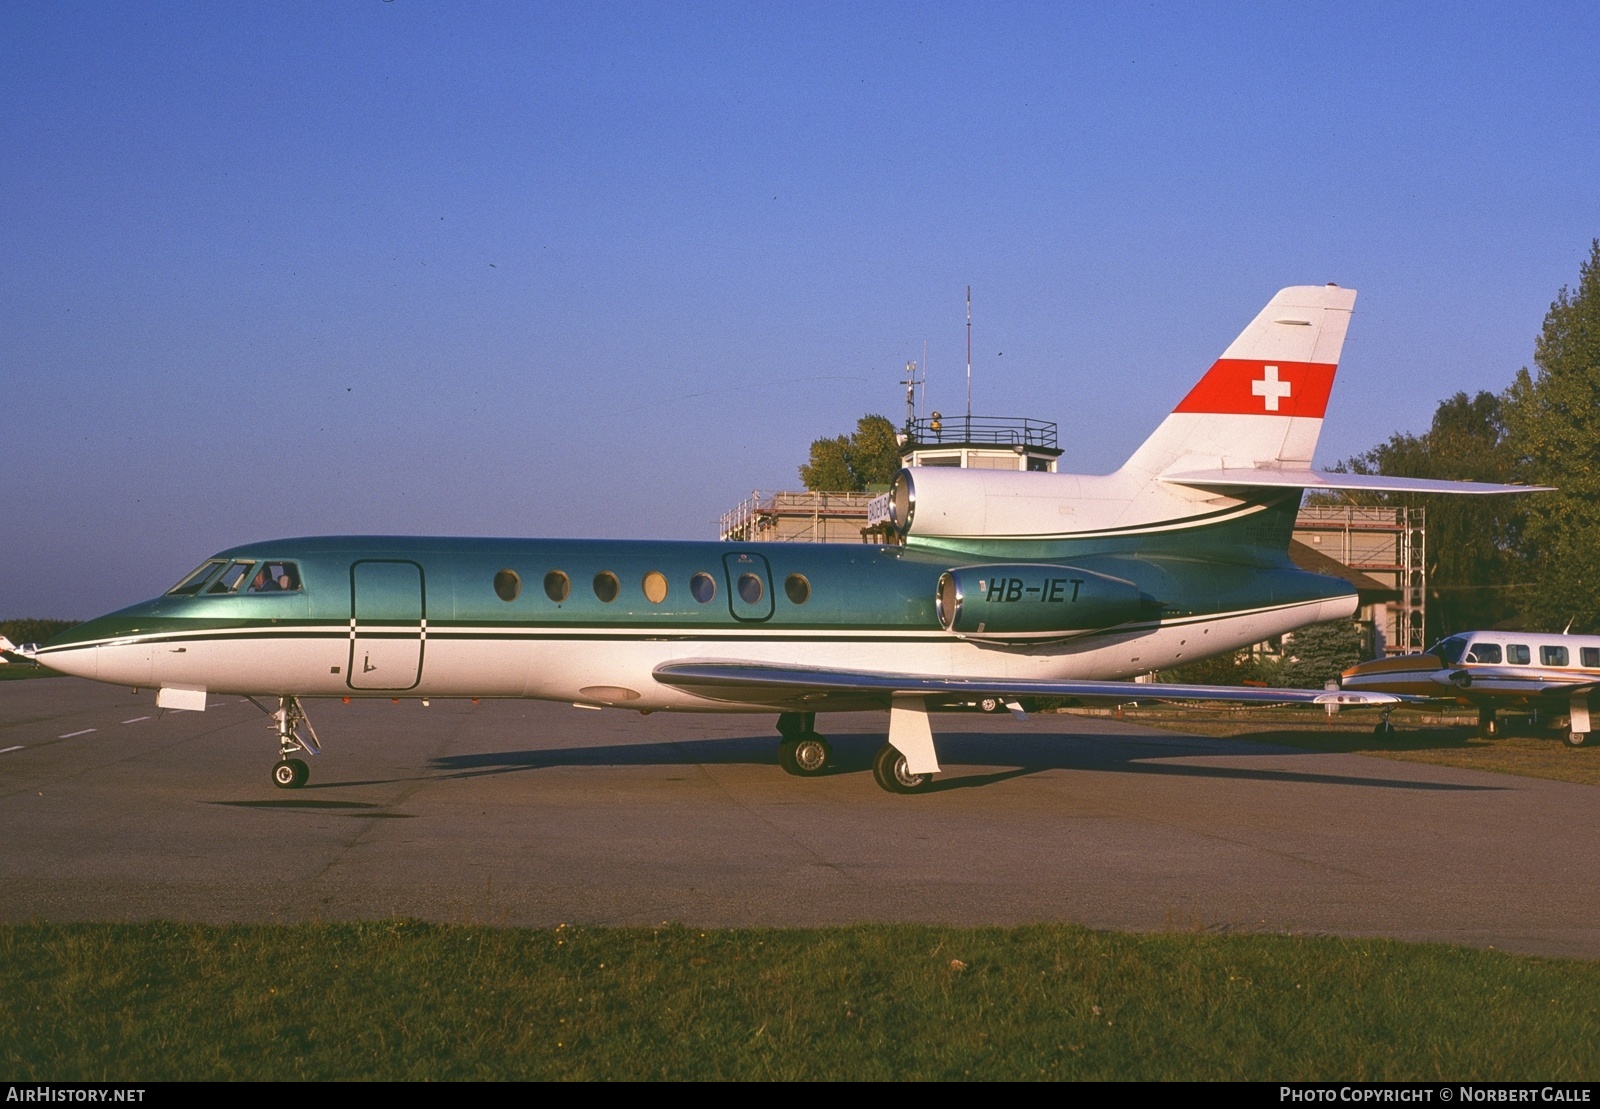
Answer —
401 645
734 566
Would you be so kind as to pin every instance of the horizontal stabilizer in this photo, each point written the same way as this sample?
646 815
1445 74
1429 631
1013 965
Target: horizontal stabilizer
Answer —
1244 477
738 681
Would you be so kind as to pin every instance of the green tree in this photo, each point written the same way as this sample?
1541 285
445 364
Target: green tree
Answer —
1553 416
1319 652
851 463
1474 560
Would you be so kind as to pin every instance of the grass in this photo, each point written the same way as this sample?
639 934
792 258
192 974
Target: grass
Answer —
1421 736
399 1000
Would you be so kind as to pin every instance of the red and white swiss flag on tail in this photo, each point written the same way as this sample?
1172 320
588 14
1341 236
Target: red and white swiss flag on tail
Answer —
1248 387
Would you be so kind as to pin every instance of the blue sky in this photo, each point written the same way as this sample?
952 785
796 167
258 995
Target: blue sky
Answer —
602 269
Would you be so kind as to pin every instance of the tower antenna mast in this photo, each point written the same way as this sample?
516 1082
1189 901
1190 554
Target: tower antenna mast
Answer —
969 353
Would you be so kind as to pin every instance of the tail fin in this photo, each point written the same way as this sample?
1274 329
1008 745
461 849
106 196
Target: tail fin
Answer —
1260 405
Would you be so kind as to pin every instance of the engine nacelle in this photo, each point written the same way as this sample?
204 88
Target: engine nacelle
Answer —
1016 603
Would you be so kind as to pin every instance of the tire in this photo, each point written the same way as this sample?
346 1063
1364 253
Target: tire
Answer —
805 757
290 774
889 771
991 704
1384 730
1577 739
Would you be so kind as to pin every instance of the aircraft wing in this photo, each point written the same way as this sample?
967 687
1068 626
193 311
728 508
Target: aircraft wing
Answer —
1322 479
745 682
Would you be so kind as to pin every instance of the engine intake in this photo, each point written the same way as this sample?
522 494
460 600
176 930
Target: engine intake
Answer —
1036 602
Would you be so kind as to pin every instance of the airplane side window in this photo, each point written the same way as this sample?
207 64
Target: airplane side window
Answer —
192 583
507 585
231 578
703 587
606 586
276 577
1449 650
655 587
1590 656
1484 652
750 588
1552 656
1516 654
557 586
797 588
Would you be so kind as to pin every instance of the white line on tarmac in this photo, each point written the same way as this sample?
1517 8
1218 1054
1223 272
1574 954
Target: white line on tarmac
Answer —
8 750
85 731
136 719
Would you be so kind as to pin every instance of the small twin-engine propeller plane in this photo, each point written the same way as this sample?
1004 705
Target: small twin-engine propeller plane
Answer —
1008 585
1555 675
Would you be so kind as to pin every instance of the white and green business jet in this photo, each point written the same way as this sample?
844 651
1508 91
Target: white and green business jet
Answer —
1008 585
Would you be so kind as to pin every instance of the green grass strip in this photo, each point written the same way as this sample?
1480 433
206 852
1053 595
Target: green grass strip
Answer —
400 1000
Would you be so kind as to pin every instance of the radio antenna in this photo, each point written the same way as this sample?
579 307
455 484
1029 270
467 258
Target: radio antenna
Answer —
969 352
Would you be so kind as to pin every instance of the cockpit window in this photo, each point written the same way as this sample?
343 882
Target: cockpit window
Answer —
192 584
232 578
1449 650
275 577
1485 652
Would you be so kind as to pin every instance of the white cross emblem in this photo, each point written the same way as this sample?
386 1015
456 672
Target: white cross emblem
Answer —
1270 387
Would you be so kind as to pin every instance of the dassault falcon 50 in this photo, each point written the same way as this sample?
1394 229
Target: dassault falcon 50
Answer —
1007 584
1553 674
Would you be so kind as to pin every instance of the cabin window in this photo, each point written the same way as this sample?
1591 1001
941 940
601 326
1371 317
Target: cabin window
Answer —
230 579
797 588
1590 656
276 577
703 587
606 586
655 587
507 585
1484 652
192 583
750 588
1552 656
1517 654
557 585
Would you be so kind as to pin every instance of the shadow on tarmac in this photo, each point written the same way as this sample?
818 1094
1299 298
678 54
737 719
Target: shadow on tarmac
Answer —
1030 754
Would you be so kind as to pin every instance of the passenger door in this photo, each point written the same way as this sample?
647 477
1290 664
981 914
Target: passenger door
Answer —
387 625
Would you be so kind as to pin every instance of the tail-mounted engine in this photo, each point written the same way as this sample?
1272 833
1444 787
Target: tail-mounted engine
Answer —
1036 602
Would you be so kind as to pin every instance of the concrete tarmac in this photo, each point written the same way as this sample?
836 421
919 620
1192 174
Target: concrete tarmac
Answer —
518 812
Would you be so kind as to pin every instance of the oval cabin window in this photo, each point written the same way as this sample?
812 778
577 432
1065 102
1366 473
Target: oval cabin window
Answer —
557 586
507 585
703 587
655 587
606 586
750 588
797 588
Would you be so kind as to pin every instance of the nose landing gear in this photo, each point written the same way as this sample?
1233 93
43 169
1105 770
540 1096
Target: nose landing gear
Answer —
287 720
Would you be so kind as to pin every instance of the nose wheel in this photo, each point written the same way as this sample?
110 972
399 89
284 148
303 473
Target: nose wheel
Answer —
290 774
890 772
288 720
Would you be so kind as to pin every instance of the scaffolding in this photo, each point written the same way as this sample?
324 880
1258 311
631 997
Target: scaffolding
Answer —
797 517
1388 544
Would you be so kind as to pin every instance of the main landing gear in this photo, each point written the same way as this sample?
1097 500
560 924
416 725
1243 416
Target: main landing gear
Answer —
287 720
889 770
802 751
1384 730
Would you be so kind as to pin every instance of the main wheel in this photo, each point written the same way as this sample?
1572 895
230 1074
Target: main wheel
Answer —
1489 726
890 772
290 774
806 756
1576 739
991 704
1384 729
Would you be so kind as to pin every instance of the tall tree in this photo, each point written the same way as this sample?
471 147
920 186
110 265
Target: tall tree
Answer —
851 463
1554 419
1474 563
